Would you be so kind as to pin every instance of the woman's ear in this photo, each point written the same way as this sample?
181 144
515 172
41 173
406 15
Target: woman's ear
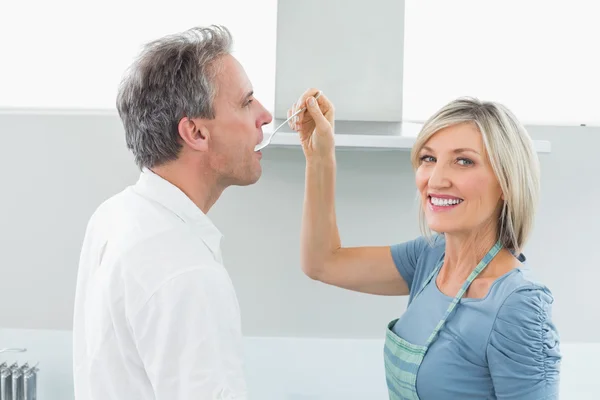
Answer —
193 133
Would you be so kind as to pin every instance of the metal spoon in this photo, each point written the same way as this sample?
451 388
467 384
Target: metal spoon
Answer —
267 141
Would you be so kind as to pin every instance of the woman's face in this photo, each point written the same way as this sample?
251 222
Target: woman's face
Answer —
459 190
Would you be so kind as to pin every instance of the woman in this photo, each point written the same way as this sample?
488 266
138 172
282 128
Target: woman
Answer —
476 326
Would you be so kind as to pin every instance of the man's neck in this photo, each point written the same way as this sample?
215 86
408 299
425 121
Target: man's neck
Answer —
199 184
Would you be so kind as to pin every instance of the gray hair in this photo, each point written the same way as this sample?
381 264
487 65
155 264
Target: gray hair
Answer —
512 157
172 78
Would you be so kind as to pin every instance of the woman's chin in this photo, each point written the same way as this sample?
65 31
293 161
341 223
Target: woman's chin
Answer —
440 226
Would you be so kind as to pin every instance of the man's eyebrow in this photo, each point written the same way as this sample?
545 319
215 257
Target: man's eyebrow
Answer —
247 95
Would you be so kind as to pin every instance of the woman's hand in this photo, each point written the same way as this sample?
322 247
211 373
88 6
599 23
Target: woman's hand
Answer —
315 125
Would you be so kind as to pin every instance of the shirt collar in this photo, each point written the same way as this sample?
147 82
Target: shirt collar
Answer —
158 189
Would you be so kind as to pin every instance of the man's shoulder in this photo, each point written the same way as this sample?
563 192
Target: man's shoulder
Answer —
112 212
170 255
144 243
173 247
138 230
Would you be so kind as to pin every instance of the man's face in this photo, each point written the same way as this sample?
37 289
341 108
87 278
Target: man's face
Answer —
236 128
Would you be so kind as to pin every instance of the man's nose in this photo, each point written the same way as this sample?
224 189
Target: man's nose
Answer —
267 118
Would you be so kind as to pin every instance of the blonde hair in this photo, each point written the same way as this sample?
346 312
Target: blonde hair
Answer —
512 157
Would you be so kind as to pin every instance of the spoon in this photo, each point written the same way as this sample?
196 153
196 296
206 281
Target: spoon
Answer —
267 141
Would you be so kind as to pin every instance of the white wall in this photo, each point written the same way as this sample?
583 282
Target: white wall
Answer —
72 54
304 340
535 56
58 169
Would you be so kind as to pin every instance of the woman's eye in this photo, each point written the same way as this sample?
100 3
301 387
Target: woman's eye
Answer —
465 161
427 159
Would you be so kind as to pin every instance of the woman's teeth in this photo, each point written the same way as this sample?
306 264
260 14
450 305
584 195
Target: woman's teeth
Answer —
444 202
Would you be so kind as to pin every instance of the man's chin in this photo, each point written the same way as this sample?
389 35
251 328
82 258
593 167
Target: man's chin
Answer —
248 179
254 179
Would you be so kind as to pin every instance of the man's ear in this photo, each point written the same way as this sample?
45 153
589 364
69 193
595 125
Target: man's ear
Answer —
194 133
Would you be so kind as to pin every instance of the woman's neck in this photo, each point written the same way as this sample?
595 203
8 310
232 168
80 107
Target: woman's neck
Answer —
465 251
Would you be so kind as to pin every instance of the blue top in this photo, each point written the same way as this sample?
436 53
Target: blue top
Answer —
503 346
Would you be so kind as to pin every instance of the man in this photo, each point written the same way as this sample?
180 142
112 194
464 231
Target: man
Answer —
156 315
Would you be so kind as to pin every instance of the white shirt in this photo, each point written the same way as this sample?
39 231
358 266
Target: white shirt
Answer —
156 315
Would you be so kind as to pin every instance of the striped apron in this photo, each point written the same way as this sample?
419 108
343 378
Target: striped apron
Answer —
403 359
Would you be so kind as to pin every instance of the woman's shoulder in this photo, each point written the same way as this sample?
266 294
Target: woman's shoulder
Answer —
431 250
523 348
423 245
416 259
523 312
520 288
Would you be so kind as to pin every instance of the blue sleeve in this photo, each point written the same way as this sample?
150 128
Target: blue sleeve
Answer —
406 256
523 350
